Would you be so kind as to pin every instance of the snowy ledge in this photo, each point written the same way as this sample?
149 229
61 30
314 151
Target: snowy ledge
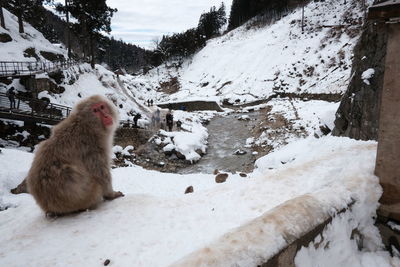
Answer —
266 239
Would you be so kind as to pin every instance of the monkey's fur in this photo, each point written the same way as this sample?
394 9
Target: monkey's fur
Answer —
71 170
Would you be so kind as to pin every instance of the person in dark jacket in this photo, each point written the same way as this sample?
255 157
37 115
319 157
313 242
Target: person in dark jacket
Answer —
178 124
136 118
169 120
11 97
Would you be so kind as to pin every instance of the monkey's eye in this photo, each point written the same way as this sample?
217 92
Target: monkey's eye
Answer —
95 110
102 107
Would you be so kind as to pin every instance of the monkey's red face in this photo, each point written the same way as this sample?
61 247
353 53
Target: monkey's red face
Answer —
102 112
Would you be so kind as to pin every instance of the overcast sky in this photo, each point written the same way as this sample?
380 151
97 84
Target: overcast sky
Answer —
142 21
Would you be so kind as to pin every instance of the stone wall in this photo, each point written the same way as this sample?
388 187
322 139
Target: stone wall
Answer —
131 136
358 113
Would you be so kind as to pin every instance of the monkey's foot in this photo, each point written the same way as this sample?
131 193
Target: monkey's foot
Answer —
114 195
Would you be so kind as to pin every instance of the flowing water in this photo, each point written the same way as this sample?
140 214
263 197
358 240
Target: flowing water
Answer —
226 135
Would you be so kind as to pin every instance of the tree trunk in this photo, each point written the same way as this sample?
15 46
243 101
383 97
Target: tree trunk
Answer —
20 21
68 30
2 16
91 44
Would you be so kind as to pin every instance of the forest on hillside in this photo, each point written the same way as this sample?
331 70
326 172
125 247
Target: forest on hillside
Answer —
85 41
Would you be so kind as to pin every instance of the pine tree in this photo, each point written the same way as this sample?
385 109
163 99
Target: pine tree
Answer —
211 22
94 16
22 8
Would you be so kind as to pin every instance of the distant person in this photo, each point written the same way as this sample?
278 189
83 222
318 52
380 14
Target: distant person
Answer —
153 122
169 120
157 117
11 97
148 102
178 124
151 102
136 118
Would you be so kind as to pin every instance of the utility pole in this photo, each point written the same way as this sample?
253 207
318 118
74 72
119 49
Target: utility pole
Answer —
68 29
365 10
302 20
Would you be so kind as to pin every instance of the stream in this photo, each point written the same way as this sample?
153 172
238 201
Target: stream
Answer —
226 135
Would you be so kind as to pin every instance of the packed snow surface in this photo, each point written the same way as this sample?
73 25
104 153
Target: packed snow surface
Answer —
156 224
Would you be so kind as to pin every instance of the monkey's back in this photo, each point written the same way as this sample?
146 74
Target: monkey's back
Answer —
59 181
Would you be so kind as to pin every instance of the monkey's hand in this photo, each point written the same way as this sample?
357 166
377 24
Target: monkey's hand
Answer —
113 195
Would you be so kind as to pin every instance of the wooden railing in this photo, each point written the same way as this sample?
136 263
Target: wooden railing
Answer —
25 68
32 108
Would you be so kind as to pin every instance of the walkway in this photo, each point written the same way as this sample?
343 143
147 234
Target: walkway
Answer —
18 69
32 110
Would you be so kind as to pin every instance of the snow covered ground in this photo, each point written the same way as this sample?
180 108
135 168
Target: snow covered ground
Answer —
156 224
244 220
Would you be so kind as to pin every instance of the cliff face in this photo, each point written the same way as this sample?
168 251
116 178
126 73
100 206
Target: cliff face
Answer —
358 113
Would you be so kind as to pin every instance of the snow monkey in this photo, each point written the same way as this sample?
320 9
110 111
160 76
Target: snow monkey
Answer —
71 170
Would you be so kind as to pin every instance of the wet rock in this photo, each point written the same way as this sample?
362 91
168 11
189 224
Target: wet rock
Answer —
169 152
242 174
30 52
221 178
5 38
240 152
179 155
325 129
200 152
189 189
244 118
161 164
107 262
52 56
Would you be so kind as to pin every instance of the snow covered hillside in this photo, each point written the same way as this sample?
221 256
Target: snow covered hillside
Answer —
156 224
83 81
79 81
17 49
248 64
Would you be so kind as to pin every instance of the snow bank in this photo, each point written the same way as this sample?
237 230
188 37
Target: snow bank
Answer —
343 176
339 243
192 138
156 224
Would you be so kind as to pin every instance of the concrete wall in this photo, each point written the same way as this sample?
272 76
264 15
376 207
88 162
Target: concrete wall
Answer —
192 105
271 240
